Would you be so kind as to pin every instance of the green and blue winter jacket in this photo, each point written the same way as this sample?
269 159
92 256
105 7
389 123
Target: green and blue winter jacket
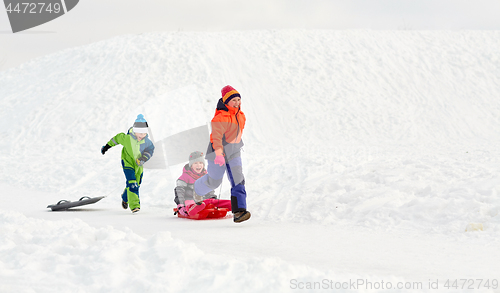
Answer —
132 149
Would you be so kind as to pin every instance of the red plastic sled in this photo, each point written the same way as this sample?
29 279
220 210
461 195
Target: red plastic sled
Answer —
210 212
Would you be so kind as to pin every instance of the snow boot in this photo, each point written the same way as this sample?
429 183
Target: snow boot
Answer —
136 210
124 205
198 199
239 217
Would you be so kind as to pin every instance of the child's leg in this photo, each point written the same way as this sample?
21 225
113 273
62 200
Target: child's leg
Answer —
133 197
210 181
192 208
238 192
133 194
124 195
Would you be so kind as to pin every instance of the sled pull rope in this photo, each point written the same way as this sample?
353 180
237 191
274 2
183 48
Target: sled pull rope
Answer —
220 191
112 191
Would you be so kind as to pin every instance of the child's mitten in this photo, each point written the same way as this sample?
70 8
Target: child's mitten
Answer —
219 160
140 161
105 148
182 210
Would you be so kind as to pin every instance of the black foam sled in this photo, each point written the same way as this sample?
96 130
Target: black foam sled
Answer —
63 205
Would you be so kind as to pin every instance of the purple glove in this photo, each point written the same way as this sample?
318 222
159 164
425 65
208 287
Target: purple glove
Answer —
182 210
219 160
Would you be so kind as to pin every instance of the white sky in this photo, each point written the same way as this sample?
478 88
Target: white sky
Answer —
94 20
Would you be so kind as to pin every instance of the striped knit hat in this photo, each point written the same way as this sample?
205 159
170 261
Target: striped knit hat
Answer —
228 92
140 124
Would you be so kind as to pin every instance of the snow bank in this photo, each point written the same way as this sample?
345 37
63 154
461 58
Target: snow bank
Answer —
56 256
380 129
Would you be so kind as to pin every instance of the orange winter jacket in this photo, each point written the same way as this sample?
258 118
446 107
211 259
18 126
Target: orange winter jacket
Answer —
227 127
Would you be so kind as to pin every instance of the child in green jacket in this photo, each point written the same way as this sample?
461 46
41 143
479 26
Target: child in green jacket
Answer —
137 149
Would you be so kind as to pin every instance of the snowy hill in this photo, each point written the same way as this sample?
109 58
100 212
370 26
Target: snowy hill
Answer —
359 134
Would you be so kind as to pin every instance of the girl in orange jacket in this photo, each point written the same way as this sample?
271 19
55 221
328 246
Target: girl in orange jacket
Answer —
223 153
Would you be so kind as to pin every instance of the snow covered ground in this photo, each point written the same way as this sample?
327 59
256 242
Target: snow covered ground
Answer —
368 154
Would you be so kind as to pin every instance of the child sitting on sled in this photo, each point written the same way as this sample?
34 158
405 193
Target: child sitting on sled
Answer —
185 187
